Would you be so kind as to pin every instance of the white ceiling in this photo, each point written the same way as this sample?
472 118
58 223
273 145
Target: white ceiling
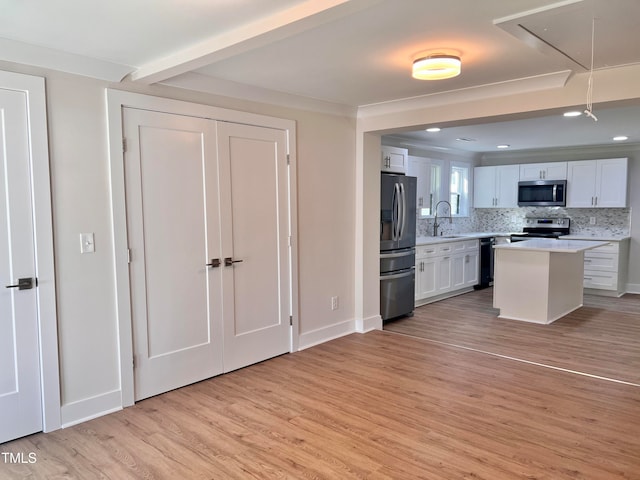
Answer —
551 130
344 52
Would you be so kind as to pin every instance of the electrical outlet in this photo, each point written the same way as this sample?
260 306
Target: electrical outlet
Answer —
334 303
592 220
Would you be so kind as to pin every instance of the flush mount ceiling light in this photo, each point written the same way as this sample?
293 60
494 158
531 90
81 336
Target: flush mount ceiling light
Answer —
433 129
504 145
620 138
573 113
436 67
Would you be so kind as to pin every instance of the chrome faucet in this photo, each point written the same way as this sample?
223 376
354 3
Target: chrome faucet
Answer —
435 220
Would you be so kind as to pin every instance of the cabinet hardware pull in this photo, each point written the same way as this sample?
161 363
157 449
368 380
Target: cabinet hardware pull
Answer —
215 262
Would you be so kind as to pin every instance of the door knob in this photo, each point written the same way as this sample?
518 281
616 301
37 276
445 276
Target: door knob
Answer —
215 262
23 284
228 262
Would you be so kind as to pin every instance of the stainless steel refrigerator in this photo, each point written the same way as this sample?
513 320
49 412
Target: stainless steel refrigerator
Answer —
397 245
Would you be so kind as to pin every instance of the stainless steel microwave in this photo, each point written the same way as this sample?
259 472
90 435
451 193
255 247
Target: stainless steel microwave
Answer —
542 193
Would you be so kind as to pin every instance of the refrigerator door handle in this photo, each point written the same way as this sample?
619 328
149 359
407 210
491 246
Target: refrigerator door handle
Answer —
405 273
397 254
403 214
395 212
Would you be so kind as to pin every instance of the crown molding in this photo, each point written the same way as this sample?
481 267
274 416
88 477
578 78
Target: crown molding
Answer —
35 55
480 92
217 86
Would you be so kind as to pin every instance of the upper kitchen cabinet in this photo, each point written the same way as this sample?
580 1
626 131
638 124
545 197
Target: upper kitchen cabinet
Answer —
394 159
543 171
496 187
429 173
597 183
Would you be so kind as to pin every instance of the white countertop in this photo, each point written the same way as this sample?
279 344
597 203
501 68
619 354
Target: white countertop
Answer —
610 238
459 237
552 245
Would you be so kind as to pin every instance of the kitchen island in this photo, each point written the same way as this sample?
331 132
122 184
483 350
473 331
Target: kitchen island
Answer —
539 280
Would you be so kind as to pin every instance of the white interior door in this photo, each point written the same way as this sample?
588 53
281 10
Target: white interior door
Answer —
255 235
20 387
173 228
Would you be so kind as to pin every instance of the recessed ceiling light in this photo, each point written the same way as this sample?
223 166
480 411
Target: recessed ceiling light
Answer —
573 113
433 129
620 138
504 145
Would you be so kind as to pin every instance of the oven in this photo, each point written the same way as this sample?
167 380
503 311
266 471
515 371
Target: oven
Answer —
542 228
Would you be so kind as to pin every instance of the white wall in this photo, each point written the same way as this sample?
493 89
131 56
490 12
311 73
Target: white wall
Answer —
88 344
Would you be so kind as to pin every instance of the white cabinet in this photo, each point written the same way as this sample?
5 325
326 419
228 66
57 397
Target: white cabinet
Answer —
471 268
425 272
445 269
543 171
605 269
496 187
394 159
429 188
597 183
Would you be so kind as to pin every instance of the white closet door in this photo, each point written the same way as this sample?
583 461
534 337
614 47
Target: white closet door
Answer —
208 230
255 235
20 388
173 233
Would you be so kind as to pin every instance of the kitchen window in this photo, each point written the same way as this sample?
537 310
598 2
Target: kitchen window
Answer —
459 189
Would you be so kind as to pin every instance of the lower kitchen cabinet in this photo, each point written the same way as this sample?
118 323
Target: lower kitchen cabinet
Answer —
445 269
426 273
605 269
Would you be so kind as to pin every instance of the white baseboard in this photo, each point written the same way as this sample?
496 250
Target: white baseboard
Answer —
90 408
368 324
325 334
633 288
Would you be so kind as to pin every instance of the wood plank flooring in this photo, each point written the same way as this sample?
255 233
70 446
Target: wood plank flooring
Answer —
601 338
372 406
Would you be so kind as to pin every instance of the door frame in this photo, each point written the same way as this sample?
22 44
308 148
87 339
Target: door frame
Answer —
34 89
116 100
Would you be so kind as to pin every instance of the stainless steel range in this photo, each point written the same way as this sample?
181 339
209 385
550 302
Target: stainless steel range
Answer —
542 228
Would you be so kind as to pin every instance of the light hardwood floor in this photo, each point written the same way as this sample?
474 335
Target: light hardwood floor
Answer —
374 406
601 338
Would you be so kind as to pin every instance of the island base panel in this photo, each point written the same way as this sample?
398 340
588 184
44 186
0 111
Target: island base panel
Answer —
537 286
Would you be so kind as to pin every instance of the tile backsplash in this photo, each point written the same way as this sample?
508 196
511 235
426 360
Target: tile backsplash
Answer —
608 221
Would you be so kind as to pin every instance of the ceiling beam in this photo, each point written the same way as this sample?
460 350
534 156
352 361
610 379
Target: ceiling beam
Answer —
281 25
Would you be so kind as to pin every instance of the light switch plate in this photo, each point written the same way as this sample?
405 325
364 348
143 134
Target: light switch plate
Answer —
87 243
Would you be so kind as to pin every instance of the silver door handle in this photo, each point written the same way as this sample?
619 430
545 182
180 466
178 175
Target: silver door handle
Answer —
228 261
